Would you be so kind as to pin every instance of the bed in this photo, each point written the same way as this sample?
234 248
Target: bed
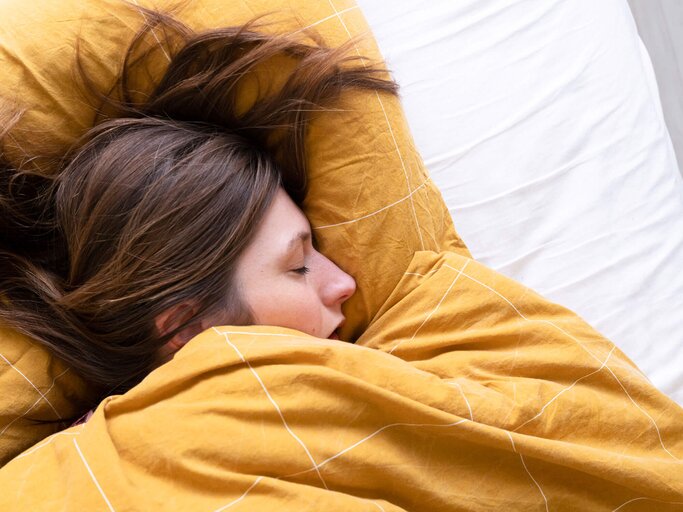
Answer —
540 126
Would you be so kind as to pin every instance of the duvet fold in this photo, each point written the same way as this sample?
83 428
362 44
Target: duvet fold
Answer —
468 391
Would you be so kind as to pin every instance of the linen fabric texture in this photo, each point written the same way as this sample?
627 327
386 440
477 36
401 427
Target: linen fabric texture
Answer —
371 202
468 392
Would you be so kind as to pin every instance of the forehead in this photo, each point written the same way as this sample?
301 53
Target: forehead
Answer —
283 216
282 223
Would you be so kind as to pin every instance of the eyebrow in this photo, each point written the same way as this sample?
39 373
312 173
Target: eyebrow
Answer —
301 237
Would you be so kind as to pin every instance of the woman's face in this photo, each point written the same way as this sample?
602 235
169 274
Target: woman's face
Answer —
285 281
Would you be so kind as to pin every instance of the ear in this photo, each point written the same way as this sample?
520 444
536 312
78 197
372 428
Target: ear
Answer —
170 320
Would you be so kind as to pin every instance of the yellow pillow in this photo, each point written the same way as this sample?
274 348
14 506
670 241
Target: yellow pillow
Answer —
38 394
371 202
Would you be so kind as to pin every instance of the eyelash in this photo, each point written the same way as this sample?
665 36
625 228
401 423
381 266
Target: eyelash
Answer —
302 270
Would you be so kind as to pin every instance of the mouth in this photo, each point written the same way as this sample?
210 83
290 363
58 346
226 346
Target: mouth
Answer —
335 333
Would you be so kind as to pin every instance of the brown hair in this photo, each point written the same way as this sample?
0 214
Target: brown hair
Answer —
153 208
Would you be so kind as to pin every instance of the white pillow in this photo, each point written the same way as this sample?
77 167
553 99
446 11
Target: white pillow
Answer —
540 122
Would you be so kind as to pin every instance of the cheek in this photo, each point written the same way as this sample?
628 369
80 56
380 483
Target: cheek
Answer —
285 303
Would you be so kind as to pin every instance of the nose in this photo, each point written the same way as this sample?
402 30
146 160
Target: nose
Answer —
338 285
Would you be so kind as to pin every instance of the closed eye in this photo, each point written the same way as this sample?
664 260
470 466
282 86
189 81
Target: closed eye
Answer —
302 270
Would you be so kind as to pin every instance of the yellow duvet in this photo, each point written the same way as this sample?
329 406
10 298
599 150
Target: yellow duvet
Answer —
467 392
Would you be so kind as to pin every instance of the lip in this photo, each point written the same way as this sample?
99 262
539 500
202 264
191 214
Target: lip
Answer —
335 333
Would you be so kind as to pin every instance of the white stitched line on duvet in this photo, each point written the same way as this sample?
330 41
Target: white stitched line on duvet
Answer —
434 310
567 389
371 502
654 423
300 341
269 334
335 15
372 214
514 401
234 502
44 444
34 404
391 131
645 498
652 420
377 505
514 449
454 383
368 437
92 475
403 165
421 275
32 385
277 407
524 317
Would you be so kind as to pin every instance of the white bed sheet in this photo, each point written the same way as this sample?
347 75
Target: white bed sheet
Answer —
540 122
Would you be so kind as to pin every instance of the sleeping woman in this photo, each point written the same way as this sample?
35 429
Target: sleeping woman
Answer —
178 213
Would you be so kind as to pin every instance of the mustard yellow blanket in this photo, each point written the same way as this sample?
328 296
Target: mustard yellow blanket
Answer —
468 392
